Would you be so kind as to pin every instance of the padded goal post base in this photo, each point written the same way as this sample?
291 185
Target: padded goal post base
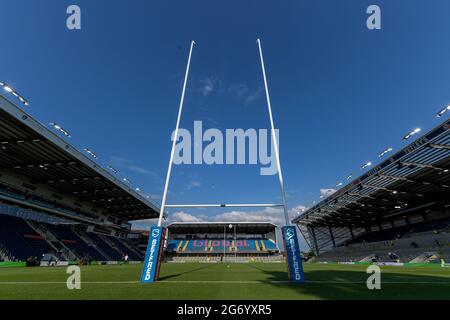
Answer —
293 257
154 253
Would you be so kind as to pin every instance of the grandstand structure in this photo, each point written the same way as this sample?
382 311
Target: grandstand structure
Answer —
399 211
222 241
55 200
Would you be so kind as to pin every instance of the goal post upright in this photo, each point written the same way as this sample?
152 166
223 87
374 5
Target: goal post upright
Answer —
289 232
156 238
175 138
274 138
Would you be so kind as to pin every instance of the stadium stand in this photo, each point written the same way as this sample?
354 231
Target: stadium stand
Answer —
20 240
55 200
399 211
123 246
213 242
111 253
80 248
217 245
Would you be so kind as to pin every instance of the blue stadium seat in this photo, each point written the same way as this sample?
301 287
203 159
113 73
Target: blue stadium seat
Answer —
216 245
74 242
20 239
122 247
111 252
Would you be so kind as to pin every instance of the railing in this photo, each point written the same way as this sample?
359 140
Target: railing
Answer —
6 253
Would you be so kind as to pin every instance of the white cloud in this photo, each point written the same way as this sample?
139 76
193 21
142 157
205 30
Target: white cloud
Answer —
207 86
327 192
182 216
242 91
273 215
193 184
253 96
238 89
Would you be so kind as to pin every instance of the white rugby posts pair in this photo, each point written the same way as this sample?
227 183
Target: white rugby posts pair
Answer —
274 144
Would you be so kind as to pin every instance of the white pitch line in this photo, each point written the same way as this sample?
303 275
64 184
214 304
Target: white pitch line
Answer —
222 282
64 282
307 281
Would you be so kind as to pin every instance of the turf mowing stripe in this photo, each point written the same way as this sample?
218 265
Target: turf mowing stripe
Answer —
225 282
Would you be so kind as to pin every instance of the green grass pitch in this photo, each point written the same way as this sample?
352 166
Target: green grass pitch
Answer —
226 281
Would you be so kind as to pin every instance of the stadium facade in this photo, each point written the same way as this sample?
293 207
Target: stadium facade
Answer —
399 211
56 201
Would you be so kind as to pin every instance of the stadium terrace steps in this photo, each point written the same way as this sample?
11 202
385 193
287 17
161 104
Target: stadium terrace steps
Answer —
136 250
117 245
124 249
110 252
426 257
3 255
84 236
56 245
77 245
416 247
20 239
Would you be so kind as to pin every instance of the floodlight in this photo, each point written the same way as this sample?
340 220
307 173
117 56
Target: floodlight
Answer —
112 169
416 130
440 113
368 164
9 89
90 152
61 129
387 150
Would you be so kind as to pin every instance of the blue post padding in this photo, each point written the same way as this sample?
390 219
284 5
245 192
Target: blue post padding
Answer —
153 255
293 257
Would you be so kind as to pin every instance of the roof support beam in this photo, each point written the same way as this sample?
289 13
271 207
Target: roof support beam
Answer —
422 165
94 190
19 141
413 181
439 146
73 180
46 165
400 191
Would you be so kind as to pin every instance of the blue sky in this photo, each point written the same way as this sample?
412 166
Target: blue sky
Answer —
340 92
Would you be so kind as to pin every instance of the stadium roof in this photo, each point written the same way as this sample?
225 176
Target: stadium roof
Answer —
218 227
416 178
30 149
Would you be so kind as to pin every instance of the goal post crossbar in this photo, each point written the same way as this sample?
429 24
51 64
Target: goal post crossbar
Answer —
224 205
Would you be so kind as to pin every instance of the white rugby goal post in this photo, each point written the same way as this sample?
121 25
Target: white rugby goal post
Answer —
175 138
